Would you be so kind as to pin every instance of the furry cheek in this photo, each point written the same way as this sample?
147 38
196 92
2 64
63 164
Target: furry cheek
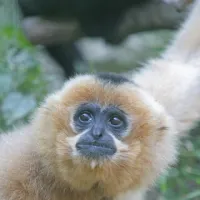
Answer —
66 146
126 152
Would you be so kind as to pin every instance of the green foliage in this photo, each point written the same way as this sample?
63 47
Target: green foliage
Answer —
22 84
182 182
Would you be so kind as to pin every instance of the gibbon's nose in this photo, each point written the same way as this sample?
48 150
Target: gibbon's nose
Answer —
97 132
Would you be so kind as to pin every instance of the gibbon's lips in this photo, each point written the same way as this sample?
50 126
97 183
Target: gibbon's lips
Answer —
95 150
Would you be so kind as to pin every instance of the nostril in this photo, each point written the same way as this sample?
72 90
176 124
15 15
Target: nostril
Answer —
97 134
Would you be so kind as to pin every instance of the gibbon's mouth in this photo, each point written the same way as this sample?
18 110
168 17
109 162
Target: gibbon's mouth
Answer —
95 150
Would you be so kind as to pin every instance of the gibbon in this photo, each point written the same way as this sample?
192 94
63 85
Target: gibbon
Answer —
107 136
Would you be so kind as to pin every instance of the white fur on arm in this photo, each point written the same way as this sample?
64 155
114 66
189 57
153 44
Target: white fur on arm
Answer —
187 41
174 80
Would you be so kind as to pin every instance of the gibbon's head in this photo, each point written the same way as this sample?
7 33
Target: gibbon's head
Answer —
104 131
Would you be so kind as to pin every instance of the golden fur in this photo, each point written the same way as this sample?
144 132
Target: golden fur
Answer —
40 161
44 152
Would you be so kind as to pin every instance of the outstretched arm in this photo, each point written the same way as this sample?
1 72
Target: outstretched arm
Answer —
174 80
186 43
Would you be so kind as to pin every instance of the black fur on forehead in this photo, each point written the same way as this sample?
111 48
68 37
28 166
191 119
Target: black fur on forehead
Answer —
113 78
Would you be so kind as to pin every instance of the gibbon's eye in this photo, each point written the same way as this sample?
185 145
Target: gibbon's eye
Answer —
116 121
85 117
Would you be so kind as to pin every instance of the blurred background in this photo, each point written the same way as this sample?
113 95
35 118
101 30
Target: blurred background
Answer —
28 70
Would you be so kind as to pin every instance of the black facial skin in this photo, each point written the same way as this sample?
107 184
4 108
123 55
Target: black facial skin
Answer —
98 123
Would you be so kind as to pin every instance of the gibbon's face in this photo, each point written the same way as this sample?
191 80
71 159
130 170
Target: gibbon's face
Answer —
105 129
